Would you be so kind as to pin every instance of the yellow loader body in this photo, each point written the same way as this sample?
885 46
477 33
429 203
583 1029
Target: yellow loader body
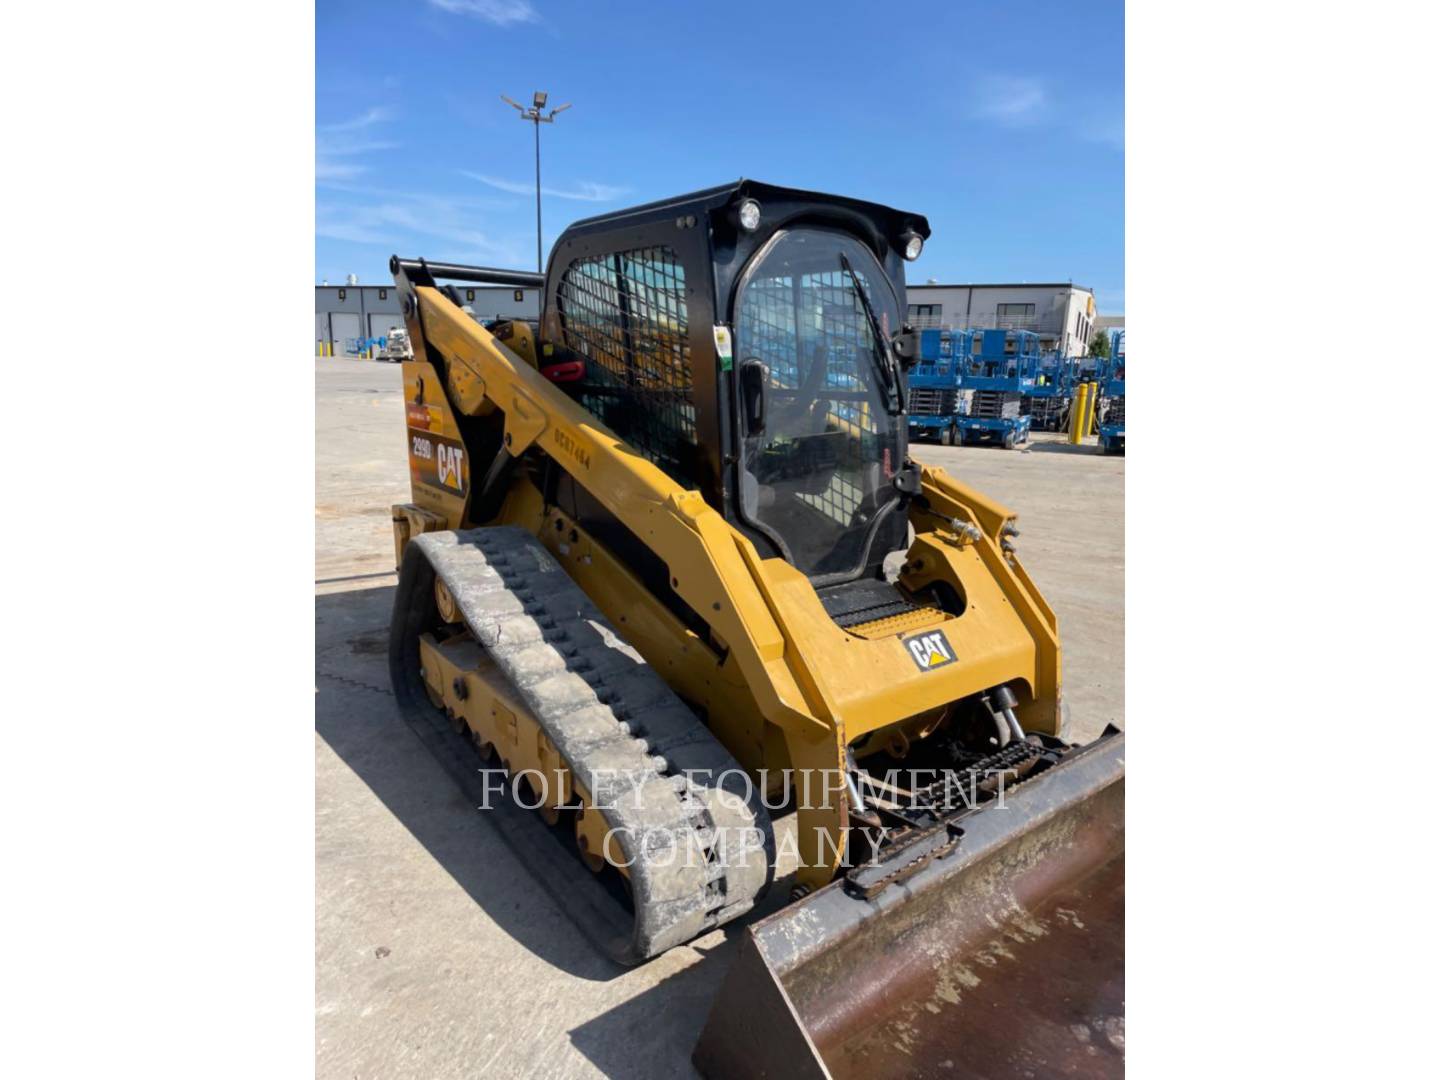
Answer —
614 564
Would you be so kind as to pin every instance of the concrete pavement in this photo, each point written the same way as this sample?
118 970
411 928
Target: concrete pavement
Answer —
436 954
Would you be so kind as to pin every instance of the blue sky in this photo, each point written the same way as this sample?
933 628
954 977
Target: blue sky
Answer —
1002 122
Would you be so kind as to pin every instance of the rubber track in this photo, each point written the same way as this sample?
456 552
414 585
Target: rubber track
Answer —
699 843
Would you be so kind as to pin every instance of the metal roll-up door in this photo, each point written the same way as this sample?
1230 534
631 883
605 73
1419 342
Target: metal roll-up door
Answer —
381 322
344 330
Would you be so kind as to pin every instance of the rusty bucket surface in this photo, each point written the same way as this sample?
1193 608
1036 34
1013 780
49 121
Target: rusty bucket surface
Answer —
1003 958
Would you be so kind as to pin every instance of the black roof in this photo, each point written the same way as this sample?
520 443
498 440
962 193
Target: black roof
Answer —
710 199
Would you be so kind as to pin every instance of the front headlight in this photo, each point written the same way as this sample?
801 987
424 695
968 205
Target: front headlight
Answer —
749 215
914 244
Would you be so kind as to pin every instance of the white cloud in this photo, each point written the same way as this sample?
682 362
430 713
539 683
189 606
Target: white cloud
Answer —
583 191
328 169
377 115
339 143
1011 100
480 204
499 12
415 224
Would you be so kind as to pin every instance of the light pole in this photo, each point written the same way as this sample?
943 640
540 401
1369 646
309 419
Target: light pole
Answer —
534 115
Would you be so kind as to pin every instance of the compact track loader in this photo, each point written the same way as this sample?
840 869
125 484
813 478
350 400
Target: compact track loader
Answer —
669 568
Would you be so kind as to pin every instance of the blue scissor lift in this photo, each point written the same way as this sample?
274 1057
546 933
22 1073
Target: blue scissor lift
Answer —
1111 411
1091 369
999 370
935 402
1048 401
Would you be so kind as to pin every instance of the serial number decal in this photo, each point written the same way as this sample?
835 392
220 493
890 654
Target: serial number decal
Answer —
577 452
929 650
437 461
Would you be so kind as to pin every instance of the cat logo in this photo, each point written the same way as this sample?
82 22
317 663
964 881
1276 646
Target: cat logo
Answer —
930 650
447 464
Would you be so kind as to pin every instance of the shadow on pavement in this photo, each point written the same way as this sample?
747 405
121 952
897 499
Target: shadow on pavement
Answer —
650 1034
1064 448
653 1033
356 716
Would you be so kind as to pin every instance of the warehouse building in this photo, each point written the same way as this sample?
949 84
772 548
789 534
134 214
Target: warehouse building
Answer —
349 316
1062 314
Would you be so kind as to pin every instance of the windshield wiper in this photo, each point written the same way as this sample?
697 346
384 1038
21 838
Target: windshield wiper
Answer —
884 362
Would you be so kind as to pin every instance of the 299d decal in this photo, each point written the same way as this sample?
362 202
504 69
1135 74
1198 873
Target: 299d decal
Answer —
437 461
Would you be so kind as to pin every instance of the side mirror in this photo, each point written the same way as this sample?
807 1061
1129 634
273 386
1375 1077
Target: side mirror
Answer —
753 377
906 347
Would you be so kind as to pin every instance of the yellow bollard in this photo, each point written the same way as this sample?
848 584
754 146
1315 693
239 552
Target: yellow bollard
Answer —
1092 412
1077 412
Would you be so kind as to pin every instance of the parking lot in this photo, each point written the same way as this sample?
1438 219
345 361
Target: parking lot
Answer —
436 955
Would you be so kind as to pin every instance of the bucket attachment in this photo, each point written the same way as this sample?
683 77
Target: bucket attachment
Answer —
1001 955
